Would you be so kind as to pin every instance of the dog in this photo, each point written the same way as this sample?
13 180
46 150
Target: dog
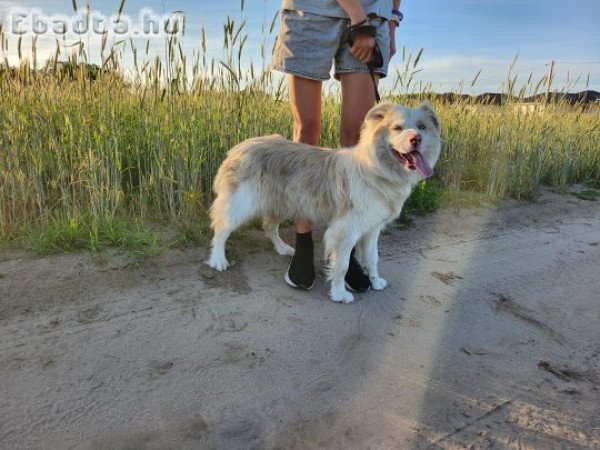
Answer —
356 191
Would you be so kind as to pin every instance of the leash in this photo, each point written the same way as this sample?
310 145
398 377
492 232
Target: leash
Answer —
372 72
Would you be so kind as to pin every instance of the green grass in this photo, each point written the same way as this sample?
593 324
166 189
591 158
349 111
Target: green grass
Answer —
592 184
81 233
587 194
90 164
426 197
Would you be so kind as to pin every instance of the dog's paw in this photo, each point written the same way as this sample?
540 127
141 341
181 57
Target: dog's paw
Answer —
219 264
341 296
284 250
378 284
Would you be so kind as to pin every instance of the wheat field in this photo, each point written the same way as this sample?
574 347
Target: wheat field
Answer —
91 157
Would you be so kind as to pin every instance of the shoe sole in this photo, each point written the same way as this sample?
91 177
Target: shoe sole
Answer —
290 283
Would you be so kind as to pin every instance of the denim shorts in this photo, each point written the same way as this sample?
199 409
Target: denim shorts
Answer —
307 44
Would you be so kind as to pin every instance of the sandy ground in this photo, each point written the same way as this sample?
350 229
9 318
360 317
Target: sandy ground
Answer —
489 337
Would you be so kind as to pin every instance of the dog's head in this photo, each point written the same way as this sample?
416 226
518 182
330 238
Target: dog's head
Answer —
402 140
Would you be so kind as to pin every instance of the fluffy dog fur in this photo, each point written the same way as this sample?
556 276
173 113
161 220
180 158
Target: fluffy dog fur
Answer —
356 191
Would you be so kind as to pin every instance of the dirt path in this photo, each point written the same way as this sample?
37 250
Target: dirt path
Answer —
488 336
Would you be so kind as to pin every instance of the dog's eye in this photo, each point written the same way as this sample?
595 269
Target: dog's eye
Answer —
421 126
398 128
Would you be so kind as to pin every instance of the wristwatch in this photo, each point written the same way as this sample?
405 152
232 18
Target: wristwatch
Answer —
396 17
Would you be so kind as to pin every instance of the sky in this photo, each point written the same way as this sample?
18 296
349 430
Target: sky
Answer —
459 38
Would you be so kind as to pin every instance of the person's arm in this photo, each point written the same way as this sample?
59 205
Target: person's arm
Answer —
393 26
363 45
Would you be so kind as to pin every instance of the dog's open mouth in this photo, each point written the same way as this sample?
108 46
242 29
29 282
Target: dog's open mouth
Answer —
414 161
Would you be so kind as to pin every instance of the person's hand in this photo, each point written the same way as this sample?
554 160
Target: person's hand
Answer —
362 48
393 27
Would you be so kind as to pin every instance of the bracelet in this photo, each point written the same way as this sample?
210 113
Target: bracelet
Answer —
358 24
365 22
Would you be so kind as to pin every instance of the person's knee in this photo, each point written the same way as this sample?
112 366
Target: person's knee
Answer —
307 131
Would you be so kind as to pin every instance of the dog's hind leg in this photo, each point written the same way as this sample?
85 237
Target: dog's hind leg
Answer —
222 228
228 212
339 240
271 227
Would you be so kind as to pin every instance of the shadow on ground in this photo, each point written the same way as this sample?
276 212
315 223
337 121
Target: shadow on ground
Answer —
487 337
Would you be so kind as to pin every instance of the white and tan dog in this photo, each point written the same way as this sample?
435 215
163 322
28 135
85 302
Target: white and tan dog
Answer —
356 191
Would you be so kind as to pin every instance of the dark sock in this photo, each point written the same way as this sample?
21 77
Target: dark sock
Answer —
356 278
302 268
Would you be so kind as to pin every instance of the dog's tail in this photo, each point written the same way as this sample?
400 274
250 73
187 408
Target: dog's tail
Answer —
225 184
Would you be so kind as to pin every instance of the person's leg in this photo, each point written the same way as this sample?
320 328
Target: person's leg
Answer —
305 100
358 97
306 46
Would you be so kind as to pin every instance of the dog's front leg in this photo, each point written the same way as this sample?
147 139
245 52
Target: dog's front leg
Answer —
370 258
339 241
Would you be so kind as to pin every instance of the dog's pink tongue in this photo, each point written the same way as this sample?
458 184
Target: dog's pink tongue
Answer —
422 166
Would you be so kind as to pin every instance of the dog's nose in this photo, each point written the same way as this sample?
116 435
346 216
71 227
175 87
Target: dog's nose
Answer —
416 140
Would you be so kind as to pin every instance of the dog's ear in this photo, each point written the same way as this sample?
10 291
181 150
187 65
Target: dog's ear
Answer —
428 109
379 111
